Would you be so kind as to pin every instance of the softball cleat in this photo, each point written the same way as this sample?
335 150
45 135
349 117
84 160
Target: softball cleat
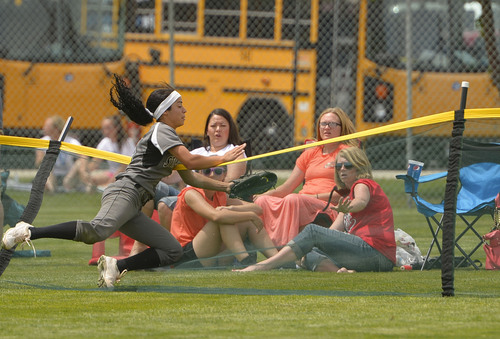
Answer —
17 235
108 272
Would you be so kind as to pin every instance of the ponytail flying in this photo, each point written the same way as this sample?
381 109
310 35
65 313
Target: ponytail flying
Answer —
159 101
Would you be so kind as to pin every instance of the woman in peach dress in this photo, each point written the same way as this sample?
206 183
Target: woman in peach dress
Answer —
285 213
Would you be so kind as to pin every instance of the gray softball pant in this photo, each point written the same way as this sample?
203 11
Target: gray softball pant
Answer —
121 205
318 243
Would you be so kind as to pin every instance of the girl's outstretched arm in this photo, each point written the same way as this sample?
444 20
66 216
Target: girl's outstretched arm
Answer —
195 161
201 181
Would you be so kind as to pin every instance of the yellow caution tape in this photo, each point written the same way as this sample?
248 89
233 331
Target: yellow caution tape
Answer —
479 113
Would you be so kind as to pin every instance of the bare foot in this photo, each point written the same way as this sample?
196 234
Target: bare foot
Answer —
251 268
345 270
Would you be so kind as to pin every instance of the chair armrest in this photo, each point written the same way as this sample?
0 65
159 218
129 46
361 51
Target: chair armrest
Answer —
432 177
411 184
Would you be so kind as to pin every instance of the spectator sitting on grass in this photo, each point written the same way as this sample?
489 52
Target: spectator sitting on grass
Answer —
285 213
206 221
67 167
362 236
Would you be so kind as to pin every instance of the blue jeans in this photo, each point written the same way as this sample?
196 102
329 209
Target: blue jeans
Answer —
166 194
318 243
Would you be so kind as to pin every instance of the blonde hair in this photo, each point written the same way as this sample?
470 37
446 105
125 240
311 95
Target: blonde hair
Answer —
358 158
346 125
57 122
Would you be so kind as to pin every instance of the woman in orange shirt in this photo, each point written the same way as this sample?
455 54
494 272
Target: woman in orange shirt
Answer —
205 222
285 213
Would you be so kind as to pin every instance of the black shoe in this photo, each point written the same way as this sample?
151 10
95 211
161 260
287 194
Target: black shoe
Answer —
250 260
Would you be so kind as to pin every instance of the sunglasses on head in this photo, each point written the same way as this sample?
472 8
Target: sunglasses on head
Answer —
215 170
347 165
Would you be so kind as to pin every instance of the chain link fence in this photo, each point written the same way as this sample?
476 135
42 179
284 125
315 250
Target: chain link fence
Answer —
275 68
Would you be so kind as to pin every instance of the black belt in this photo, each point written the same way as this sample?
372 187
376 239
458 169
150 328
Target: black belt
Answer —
146 196
136 185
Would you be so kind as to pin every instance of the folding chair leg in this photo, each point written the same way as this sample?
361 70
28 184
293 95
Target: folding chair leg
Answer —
434 241
469 225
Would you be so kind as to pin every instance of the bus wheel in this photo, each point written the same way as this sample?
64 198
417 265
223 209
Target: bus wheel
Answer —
269 127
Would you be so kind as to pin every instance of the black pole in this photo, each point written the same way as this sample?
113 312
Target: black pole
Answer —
65 130
1 105
450 199
36 194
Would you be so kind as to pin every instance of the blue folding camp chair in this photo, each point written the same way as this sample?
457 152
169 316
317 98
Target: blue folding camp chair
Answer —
479 184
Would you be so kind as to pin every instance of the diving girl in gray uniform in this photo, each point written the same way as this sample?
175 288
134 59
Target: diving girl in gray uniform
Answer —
156 154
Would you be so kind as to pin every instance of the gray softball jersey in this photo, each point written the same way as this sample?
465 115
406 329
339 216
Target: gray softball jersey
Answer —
151 160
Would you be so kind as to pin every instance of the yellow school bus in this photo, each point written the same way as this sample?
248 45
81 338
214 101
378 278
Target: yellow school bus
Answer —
58 57
270 63
243 56
446 49
273 64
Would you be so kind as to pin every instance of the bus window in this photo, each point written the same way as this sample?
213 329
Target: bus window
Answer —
57 58
260 20
436 46
99 17
31 31
290 10
51 32
140 16
222 18
184 16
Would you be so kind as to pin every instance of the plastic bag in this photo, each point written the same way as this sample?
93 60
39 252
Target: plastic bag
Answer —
407 251
492 250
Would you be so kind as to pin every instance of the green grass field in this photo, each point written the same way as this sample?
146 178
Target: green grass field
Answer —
57 296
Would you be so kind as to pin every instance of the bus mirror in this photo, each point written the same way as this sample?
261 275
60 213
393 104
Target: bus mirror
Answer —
155 56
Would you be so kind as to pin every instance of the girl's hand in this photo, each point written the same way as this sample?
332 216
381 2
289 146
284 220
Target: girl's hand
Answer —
235 153
344 205
220 208
229 186
258 223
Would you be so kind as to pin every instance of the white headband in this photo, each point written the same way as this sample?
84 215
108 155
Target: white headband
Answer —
165 104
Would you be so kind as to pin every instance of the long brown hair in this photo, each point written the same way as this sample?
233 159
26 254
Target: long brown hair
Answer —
234 136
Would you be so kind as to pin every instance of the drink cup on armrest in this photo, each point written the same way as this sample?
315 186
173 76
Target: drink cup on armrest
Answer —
414 169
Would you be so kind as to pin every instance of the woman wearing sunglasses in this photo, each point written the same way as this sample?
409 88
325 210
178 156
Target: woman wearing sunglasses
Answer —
285 213
205 222
155 156
362 236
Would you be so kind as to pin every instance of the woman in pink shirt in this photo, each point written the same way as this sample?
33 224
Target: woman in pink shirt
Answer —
362 236
285 213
